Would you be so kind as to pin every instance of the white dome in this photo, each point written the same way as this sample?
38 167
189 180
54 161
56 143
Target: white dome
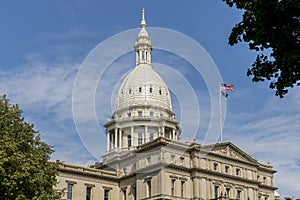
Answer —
143 87
143 109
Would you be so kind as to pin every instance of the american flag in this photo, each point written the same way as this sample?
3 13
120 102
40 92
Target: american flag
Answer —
227 87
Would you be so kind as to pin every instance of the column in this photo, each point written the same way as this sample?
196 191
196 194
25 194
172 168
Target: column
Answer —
120 138
208 195
203 194
173 134
146 134
163 131
196 184
246 193
233 194
132 137
108 141
116 137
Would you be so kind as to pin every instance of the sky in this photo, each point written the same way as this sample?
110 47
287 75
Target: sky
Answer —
46 46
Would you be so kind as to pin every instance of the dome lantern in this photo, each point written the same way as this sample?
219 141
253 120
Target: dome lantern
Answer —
143 46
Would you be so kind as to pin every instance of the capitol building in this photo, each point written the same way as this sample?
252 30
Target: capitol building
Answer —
145 158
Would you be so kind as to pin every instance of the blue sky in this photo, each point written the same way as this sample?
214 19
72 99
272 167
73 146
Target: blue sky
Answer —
44 43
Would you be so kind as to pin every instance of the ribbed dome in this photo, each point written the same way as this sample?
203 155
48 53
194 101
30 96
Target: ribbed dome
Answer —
143 86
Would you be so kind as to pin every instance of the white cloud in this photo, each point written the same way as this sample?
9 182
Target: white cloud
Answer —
44 93
271 132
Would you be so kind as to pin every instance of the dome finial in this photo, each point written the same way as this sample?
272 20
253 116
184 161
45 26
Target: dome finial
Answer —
143 22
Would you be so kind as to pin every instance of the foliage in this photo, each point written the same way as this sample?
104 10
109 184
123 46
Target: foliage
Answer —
25 172
271 26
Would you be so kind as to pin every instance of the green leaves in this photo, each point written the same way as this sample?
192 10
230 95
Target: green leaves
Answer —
25 172
272 25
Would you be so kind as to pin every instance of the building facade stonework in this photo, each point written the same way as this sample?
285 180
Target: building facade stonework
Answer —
145 160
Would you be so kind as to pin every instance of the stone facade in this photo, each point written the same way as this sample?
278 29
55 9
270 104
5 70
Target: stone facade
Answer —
145 159
166 169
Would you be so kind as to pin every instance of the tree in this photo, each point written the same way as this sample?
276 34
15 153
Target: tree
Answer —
25 172
271 27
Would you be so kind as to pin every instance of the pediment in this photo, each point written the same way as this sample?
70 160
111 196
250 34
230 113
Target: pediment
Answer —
231 151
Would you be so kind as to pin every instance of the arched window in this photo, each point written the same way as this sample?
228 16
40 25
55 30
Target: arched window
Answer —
143 55
129 140
151 136
150 90
140 139
140 89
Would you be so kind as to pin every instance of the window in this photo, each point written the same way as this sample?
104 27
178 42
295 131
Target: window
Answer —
226 169
88 193
151 136
140 89
143 55
159 92
173 187
129 91
149 187
182 188
227 194
70 191
215 166
151 114
106 194
124 194
129 140
238 172
216 191
181 160
140 138
148 160
173 158
150 90
129 114
264 180
140 113
134 193
238 194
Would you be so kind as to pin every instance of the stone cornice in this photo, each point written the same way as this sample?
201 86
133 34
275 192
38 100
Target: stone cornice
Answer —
266 168
230 158
267 187
87 172
223 175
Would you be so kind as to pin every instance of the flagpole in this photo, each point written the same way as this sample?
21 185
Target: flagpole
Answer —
220 107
